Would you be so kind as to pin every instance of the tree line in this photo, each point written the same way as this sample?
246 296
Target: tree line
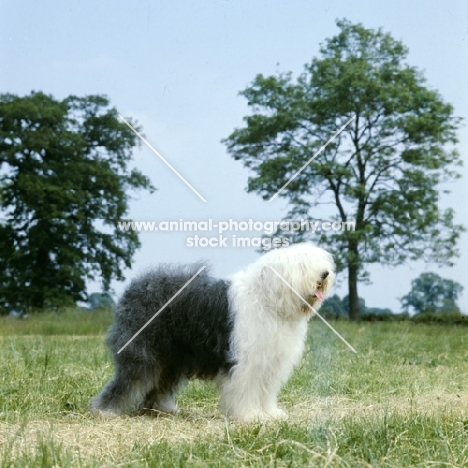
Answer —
430 296
65 175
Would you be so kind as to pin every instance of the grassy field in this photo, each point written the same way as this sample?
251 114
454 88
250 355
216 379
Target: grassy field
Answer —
402 401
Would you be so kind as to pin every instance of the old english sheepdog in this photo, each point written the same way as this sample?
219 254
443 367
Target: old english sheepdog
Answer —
246 334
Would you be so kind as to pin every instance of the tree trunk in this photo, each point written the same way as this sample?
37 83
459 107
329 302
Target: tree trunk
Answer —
37 300
353 266
37 297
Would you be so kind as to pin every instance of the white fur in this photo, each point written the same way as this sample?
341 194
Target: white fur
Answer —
270 328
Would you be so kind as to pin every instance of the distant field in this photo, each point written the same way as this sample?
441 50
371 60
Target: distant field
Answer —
402 401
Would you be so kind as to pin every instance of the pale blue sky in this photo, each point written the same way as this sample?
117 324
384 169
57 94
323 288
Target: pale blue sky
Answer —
177 67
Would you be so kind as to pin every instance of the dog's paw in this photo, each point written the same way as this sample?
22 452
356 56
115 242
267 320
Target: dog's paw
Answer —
166 404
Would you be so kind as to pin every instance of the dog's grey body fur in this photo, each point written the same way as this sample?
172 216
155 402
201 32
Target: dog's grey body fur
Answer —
189 338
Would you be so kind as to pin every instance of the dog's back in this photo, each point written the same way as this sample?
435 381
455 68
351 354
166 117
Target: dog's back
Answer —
191 333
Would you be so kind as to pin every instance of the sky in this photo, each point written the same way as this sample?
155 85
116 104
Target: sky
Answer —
177 68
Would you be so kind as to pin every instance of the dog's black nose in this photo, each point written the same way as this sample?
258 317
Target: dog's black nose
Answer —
324 275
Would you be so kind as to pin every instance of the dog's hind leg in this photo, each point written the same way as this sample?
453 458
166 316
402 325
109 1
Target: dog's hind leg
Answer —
123 395
157 401
161 397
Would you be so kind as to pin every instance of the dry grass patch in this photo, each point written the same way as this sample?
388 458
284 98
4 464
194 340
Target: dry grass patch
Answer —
113 439
108 439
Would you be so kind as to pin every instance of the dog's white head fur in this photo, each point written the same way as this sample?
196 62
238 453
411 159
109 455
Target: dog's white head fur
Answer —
282 275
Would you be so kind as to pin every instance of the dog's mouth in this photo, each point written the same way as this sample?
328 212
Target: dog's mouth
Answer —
320 286
318 293
312 299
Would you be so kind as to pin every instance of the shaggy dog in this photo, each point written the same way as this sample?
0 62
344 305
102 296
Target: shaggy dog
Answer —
245 334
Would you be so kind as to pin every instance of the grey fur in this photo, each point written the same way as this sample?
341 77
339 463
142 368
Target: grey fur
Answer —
189 338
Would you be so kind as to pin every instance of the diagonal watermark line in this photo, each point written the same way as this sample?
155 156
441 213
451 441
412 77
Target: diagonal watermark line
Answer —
161 309
318 315
312 158
156 152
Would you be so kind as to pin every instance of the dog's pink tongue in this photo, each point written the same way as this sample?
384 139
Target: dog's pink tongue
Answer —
319 295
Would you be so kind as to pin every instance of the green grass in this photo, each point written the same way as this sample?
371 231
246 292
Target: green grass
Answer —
69 322
402 401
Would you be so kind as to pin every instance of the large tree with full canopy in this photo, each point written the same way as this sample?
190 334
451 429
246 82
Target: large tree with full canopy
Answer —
382 172
65 182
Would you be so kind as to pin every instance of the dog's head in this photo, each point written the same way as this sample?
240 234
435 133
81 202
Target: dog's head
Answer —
315 299
295 277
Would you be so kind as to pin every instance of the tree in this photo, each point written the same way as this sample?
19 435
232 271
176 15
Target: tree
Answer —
431 293
345 304
382 171
64 182
332 308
